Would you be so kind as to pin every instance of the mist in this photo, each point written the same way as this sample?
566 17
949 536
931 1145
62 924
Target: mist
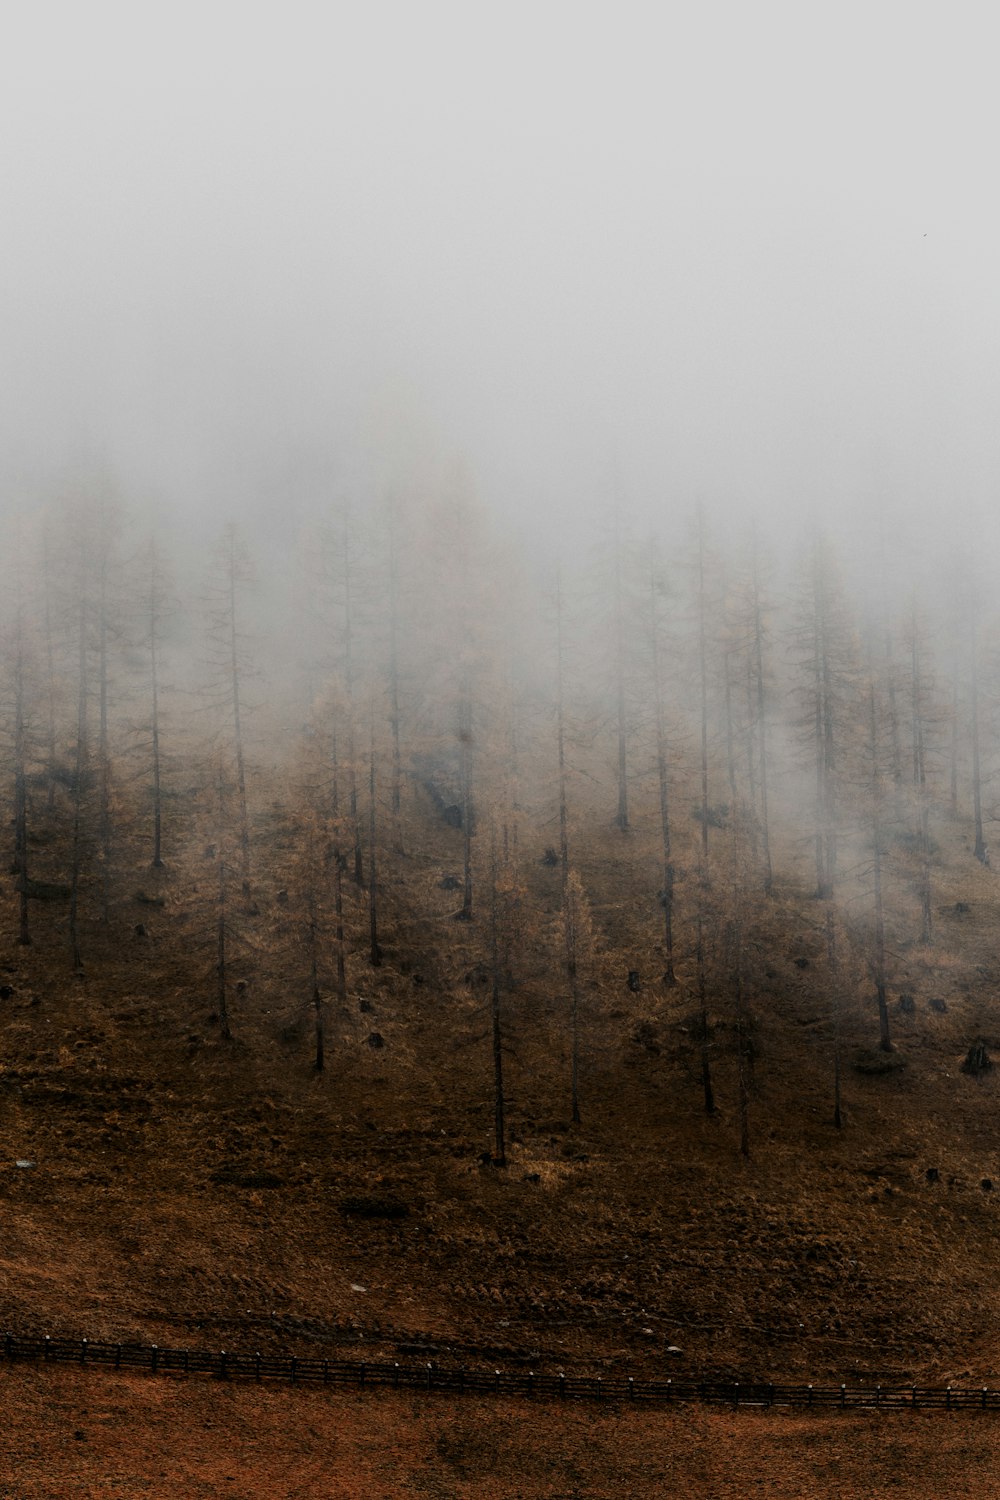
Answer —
742 256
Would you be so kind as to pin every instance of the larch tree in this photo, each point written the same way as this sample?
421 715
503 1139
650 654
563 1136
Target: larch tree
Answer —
656 592
229 665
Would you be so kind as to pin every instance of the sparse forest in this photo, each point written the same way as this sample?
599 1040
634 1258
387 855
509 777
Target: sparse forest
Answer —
612 778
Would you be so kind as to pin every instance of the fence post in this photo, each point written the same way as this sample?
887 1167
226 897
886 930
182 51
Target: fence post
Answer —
326 1371
984 1398
222 1365
461 1381
83 1351
531 1382
497 1374
361 1373
770 1394
670 1390
118 1356
843 1395
878 1396
294 1368
45 1348
631 1389
810 1396
600 1389
256 1362
154 1358
187 1360
562 1386
913 1396
8 1346
429 1371
947 1399
395 1376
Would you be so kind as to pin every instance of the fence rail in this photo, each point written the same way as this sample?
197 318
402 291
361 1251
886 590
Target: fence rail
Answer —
223 1364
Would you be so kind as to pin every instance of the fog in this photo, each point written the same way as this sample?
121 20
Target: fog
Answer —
740 253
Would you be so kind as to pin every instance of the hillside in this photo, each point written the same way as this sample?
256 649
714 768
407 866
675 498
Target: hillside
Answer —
186 1188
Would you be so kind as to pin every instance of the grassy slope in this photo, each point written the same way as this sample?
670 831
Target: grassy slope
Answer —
827 1254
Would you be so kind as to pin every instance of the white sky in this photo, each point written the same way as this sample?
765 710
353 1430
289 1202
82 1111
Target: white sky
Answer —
745 250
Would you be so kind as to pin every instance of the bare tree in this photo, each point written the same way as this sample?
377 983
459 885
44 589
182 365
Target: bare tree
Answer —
662 777
229 665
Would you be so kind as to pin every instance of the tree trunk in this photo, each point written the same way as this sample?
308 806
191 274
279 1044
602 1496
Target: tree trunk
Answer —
397 773
374 951
352 769
104 747
758 669
499 1152
920 787
736 944
833 965
81 770
699 958
338 878
980 850
154 675
20 786
50 668
703 682
241 779
667 893
621 818
885 1042
317 999
465 772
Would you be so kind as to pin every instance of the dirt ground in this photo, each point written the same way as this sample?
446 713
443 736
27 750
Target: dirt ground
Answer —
72 1433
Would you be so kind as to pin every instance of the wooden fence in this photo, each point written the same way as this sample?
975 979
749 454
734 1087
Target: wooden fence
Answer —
224 1364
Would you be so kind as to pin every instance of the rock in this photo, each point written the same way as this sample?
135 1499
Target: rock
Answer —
365 1007
364 1207
672 1350
532 1177
139 929
986 1185
874 1062
633 981
645 1036
933 1174
977 1060
234 1175
376 1040
6 991
282 898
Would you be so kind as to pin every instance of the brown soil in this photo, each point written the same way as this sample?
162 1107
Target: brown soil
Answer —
68 1433
192 1191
